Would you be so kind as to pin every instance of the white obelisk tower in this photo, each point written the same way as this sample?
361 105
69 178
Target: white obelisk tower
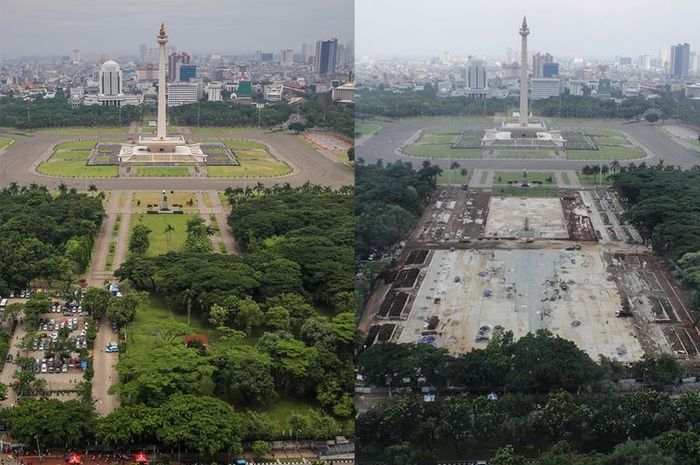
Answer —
524 31
162 40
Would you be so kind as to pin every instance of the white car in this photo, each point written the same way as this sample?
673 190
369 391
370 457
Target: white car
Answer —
44 369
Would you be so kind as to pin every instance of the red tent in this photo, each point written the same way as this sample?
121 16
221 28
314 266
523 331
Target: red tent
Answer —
141 457
74 459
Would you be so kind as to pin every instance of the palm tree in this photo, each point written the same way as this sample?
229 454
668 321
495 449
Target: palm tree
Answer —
168 233
615 165
188 295
62 188
92 188
210 230
13 188
102 195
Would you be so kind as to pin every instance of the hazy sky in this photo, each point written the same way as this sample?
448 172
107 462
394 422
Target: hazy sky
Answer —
45 27
589 28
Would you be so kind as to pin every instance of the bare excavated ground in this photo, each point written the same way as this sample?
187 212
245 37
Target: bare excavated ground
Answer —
569 265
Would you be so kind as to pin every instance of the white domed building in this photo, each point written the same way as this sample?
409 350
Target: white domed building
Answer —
477 84
110 81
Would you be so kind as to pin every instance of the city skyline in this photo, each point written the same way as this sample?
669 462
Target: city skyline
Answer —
200 26
461 28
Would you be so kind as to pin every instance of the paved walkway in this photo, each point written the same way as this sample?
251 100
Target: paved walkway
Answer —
221 213
475 180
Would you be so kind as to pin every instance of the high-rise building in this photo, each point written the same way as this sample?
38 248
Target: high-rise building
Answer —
288 57
550 70
644 61
538 61
476 78
110 81
143 52
680 60
187 72
175 59
266 57
182 93
544 88
75 56
325 59
214 92
509 56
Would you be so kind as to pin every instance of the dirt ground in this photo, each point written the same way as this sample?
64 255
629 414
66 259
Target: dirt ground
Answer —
454 283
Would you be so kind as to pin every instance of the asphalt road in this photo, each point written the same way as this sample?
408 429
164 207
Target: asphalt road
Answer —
18 164
384 143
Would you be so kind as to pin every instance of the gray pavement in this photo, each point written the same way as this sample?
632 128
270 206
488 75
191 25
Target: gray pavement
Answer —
384 144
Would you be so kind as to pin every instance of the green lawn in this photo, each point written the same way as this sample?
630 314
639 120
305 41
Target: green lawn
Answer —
443 131
5 142
451 120
77 169
581 121
77 145
366 128
592 180
253 154
238 144
166 171
441 151
484 177
70 155
83 131
606 153
158 223
453 177
250 168
439 139
524 154
217 130
517 177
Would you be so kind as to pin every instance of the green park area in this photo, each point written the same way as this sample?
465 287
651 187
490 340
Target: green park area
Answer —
456 176
241 144
84 131
524 154
255 162
364 129
141 200
537 191
5 142
162 171
516 177
160 241
217 130
70 160
437 142
612 145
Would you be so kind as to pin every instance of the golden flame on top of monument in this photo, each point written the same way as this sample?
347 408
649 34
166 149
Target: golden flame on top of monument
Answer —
162 30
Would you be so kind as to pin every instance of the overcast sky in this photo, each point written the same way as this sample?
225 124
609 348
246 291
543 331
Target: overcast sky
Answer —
45 27
572 28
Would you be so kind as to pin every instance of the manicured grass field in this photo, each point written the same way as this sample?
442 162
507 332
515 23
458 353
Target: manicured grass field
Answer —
83 131
165 171
77 145
251 169
342 155
253 154
157 223
140 200
70 155
451 120
484 176
437 139
77 169
607 153
592 180
5 142
441 151
504 177
524 154
454 177
564 122
238 144
366 128
217 130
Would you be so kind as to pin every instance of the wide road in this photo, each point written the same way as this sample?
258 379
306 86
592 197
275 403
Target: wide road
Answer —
18 164
385 142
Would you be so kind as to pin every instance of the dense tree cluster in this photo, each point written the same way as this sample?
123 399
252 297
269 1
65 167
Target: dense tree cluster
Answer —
57 112
664 205
322 113
388 200
619 427
45 236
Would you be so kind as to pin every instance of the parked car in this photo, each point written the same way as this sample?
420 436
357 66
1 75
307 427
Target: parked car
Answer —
112 347
44 368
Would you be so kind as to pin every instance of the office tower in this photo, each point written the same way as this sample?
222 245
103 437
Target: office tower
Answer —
143 52
538 61
325 59
679 60
174 62
287 57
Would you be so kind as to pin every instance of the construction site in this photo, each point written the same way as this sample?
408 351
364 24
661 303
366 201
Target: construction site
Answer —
568 264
